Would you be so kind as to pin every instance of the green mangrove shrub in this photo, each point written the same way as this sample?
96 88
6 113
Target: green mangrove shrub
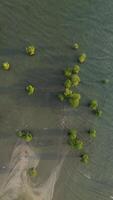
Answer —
74 142
67 92
72 134
98 112
30 89
82 58
92 133
61 97
6 66
75 80
76 96
93 105
25 135
79 144
32 172
68 84
85 158
30 50
74 100
75 46
68 72
76 69
95 108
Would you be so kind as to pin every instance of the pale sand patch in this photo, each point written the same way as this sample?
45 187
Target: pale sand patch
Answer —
18 184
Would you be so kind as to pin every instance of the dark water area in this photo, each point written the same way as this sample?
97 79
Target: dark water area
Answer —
53 26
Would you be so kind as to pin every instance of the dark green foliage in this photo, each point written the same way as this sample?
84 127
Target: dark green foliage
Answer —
74 100
92 133
74 141
61 97
75 80
30 50
68 83
79 144
25 135
75 46
93 104
67 92
68 72
6 66
76 69
30 89
85 158
32 172
72 134
95 108
82 58
98 112
76 96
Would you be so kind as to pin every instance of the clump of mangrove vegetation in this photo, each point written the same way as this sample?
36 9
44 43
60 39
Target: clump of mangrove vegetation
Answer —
25 135
72 134
30 89
30 50
73 97
70 84
98 112
76 69
6 66
74 141
79 144
61 97
67 92
95 107
82 58
32 172
74 100
92 133
76 46
68 72
85 158
75 80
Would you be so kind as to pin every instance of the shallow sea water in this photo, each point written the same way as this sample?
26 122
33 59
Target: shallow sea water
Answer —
53 26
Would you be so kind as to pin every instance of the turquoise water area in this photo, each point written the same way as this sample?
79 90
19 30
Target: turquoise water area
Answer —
53 26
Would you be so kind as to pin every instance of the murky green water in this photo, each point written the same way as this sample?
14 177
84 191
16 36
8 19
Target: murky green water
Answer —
52 26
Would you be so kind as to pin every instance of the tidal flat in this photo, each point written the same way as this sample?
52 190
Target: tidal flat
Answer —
60 31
